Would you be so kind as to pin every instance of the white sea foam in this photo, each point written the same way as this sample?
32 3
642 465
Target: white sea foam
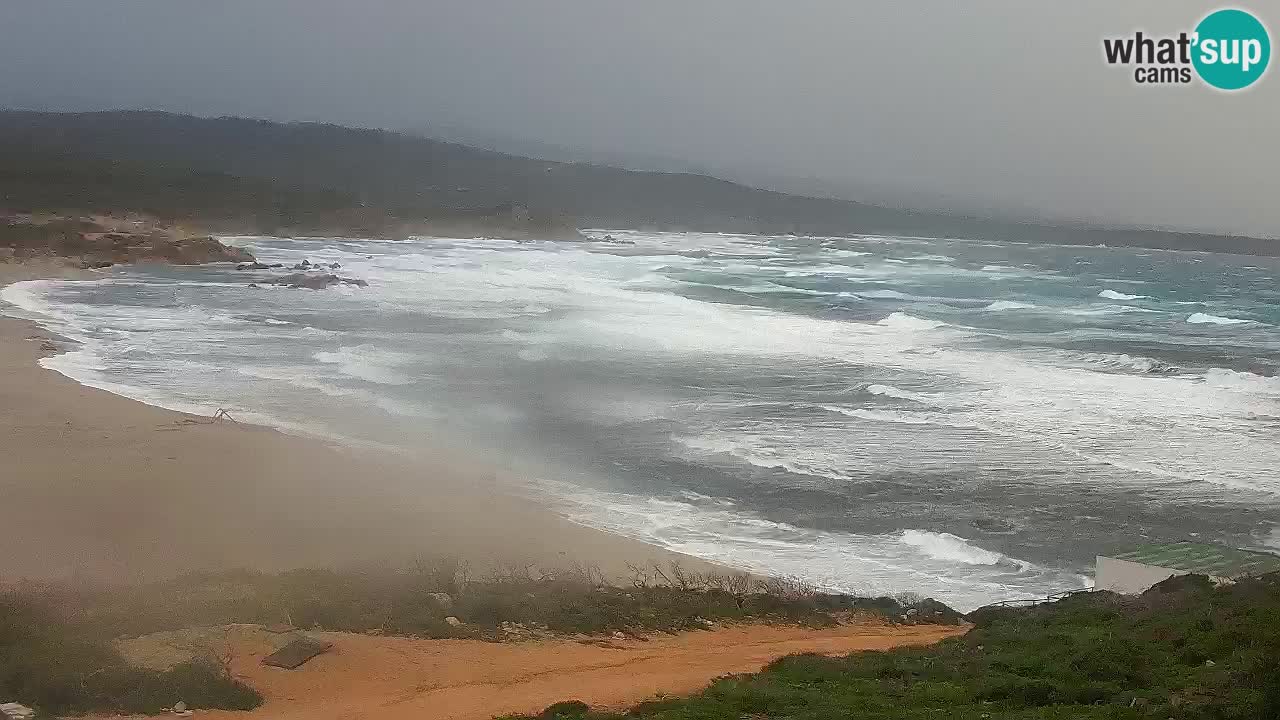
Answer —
945 546
903 321
990 406
762 455
29 296
771 287
1102 310
1244 382
891 416
893 392
1122 361
880 295
932 564
1205 318
533 354
1008 305
368 363
1113 295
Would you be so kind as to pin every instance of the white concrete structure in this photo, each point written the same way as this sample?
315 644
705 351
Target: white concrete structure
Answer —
1134 572
1129 578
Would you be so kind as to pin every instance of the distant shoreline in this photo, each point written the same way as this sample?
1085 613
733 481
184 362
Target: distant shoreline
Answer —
302 178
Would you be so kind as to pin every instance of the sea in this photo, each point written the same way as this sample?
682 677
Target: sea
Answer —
966 420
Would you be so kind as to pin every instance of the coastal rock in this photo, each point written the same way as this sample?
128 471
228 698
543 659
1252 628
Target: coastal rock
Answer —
316 282
91 245
253 266
193 251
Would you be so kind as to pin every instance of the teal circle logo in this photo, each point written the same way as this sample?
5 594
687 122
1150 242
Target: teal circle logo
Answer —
1232 49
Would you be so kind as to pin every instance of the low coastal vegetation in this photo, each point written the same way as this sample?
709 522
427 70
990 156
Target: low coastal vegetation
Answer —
60 663
440 598
50 176
58 648
88 244
1184 649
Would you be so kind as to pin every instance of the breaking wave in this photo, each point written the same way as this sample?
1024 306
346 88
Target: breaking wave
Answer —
1008 305
933 564
1243 382
1122 361
1113 295
907 418
903 321
1207 319
880 295
893 392
945 546
550 336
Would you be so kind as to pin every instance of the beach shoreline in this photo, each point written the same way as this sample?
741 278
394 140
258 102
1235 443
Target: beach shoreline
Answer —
104 488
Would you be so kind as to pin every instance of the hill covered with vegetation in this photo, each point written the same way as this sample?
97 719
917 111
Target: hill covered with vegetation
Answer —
410 178
1182 650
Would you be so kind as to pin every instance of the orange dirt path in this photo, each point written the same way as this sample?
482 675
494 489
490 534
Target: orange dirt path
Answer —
399 678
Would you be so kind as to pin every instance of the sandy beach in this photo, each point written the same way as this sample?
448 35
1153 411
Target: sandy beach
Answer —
100 487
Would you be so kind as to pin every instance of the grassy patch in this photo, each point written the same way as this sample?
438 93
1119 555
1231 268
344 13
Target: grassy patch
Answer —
1182 650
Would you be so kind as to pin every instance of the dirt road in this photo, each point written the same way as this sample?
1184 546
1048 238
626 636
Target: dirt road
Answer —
398 678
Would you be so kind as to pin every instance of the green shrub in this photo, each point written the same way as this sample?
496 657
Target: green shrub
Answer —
567 710
59 664
1183 650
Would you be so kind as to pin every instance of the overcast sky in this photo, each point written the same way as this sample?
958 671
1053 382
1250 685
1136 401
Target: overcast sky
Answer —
1003 105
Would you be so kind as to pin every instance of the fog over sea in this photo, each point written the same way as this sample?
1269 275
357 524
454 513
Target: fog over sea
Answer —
966 420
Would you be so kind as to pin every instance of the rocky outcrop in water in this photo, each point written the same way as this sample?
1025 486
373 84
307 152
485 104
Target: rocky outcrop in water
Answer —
315 282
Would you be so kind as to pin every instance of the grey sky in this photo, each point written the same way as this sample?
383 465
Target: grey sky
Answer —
1002 105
